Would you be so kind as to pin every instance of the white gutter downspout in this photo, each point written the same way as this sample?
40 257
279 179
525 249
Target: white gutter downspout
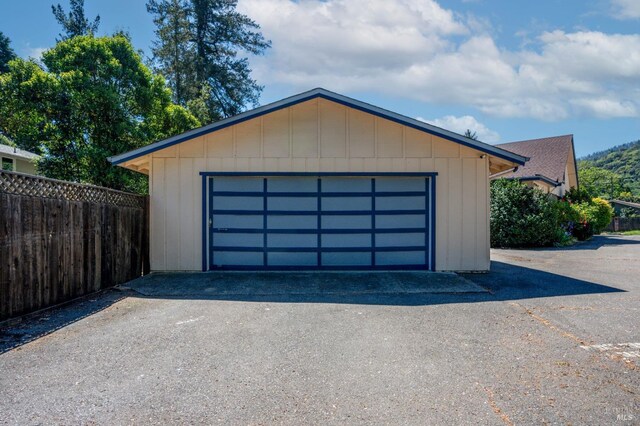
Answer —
504 172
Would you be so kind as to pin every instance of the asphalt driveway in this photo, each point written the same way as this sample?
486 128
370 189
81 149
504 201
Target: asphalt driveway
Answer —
549 336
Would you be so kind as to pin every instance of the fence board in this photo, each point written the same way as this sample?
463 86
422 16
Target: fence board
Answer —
621 224
60 240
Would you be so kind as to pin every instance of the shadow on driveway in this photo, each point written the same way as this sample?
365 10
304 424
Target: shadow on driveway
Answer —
596 242
504 282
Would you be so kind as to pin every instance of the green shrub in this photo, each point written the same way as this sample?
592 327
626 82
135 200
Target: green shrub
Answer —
522 216
584 217
598 213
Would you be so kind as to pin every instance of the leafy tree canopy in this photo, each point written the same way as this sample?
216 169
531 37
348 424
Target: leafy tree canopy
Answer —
6 53
600 182
95 99
75 23
623 160
197 52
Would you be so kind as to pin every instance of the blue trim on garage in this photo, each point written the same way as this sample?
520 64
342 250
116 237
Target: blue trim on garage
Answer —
432 203
318 231
204 223
314 249
321 174
408 267
429 229
323 194
211 242
315 212
265 257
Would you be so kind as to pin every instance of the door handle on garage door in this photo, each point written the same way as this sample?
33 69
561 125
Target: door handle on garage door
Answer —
220 229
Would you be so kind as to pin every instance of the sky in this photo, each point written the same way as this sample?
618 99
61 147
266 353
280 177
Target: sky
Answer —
508 70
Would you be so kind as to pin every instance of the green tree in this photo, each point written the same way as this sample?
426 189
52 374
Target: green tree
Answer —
599 182
75 23
172 51
6 53
27 102
95 100
202 38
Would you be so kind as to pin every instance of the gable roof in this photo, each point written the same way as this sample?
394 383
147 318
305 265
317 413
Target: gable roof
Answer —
331 96
18 153
548 157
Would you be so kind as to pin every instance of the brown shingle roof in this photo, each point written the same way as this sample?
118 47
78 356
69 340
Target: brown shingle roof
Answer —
548 156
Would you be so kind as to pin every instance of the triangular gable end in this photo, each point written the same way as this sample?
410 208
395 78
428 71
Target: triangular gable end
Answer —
337 125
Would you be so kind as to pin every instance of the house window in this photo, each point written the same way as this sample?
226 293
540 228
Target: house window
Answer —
7 164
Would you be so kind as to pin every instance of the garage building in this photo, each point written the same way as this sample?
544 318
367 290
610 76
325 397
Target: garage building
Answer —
319 181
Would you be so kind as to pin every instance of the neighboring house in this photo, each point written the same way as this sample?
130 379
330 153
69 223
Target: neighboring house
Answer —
18 160
626 206
319 181
551 166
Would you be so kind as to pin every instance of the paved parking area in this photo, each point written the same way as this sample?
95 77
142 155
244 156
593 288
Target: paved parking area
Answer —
549 336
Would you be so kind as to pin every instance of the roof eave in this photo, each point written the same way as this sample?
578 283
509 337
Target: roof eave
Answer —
539 177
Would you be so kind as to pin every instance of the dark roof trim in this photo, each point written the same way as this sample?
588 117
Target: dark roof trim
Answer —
331 96
537 177
575 163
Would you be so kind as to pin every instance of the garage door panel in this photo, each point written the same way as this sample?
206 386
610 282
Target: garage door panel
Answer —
237 203
292 259
296 184
346 259
346 185
346 203
292 203
237 222
292 240
224 239
400 221
238 258
401 239
400 258
346 222
346 240
292 222
238 184
400 184
400 203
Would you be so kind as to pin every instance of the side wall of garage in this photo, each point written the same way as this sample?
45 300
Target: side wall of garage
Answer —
320 136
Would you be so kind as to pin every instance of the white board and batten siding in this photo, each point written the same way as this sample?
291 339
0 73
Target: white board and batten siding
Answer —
319 136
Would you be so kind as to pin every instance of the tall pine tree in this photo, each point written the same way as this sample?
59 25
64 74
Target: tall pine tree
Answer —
75 23
172 52
6 53
199 49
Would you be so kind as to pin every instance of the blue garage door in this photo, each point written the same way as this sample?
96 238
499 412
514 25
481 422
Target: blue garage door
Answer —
303 222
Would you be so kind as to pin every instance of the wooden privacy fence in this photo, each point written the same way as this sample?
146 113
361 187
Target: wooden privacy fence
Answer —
60 240
621 224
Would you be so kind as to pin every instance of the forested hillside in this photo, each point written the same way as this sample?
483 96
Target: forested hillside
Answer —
623 160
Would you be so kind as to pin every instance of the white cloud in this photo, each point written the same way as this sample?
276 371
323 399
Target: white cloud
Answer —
33 52
626 9
461 124
420 50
